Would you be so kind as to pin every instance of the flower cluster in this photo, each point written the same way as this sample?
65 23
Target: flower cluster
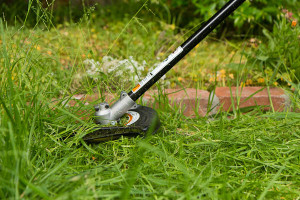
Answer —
290 16
94 67
220 76
127 69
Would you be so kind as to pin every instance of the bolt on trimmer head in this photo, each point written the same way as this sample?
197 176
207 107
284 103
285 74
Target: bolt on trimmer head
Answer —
142 119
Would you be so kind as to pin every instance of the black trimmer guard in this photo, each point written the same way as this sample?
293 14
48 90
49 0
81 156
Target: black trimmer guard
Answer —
141 120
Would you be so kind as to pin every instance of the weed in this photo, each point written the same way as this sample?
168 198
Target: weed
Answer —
278 59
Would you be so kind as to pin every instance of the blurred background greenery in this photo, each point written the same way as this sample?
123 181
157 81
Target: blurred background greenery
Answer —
182 13
269 26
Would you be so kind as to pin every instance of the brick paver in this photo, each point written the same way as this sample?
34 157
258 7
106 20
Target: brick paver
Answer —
261 98
192 102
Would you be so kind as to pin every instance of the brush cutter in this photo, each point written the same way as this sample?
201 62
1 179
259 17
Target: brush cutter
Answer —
142 119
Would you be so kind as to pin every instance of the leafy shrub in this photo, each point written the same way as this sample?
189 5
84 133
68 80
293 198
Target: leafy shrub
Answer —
251 12
181 12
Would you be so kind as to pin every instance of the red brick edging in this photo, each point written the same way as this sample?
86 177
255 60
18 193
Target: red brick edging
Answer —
192 102
259 97
222 100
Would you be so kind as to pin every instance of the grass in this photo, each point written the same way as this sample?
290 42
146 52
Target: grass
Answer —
252 156
66 47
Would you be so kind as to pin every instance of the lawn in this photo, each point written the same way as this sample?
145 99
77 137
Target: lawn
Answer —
255 155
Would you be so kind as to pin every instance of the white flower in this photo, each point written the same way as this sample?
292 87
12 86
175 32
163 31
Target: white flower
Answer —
126 69
93 66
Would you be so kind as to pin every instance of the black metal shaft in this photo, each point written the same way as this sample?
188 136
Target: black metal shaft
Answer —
184 49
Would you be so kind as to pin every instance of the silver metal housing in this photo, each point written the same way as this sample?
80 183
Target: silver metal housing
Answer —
107 115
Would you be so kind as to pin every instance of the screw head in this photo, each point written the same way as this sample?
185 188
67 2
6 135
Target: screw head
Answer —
123 94
103 106
96 108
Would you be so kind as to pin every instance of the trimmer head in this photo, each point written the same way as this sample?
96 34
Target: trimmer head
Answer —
140 120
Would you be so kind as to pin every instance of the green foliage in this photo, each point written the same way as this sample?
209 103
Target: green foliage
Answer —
12 11
41 12
280 52
222 158
181 12
250 13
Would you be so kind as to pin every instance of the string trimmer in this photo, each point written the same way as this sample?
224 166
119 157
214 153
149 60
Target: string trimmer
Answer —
142 119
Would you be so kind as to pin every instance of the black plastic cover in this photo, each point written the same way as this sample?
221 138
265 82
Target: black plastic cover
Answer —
147 123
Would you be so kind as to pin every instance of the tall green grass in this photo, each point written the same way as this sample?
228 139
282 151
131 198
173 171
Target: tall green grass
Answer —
254 156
